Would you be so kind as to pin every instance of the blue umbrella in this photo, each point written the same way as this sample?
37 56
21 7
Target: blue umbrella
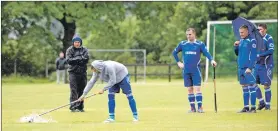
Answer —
252 29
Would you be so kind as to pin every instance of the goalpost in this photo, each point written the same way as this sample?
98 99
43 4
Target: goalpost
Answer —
126 50
213 23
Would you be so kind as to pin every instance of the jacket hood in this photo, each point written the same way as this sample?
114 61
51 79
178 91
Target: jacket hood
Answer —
98 65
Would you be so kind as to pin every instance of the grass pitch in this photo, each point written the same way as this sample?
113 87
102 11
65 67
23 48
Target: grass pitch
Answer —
162 106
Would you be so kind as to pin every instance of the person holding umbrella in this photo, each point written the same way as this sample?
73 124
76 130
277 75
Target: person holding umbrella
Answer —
246 51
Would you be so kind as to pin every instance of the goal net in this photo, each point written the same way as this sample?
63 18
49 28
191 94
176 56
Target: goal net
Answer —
220 40
133 59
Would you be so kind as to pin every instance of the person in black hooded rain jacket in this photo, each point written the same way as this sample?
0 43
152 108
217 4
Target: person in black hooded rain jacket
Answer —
77 57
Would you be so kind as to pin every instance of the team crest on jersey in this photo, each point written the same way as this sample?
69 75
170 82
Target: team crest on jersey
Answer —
254 45
271 45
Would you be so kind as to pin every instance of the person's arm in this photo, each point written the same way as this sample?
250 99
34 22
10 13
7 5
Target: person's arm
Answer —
90 84
205 52
72 60
270 48
112 78
57 63
175 54
85 56
252 54
176 51
236 47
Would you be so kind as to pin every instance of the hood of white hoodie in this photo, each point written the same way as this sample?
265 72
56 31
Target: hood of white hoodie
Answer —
98 65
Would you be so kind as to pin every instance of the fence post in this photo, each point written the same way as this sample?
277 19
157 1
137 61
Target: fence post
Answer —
169 72
46 69
15 66
135 73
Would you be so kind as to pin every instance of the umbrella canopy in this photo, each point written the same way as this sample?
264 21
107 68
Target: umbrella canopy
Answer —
252 29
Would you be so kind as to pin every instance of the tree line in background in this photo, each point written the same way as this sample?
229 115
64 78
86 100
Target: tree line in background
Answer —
33 33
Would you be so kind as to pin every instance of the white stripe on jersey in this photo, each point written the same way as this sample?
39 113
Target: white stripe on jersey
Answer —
268 37
265 61
199 69
250 55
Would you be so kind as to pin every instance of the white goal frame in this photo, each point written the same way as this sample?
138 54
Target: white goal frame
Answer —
126 50
210 23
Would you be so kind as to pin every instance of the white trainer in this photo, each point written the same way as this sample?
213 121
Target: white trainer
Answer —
135 120
109 120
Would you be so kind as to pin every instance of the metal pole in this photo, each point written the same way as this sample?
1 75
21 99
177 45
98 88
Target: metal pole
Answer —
214 32
214 38
207 61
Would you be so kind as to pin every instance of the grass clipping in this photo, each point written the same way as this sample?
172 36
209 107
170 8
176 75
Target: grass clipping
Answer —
35 118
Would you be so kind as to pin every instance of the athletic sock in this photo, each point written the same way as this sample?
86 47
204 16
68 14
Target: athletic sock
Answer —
245 96
132 105
111 105
191 99
267 97
259 95
199 99
253 96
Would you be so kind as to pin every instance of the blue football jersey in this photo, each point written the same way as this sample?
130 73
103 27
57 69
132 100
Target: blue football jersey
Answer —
191 54
266 57
247 53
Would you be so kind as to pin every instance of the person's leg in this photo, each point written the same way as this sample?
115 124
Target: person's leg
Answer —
197 86
73 90
57 76
252 96
251 81
191 97
199 97
246 96
81 86
259 78
126 88
245 91
267 82
63 72
259 95
267 96
111 103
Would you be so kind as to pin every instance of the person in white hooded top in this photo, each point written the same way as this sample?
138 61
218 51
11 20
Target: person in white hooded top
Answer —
117 77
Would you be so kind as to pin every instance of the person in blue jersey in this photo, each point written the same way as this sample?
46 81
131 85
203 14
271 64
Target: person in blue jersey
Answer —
191 53
264 68
246 51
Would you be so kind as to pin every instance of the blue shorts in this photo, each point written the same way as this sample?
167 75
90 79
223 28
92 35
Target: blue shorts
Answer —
246 78
124 85
192 79
264 74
